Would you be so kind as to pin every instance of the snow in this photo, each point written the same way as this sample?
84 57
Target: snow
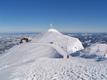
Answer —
53 30
69 44
61 69
41 48
37 60
98 49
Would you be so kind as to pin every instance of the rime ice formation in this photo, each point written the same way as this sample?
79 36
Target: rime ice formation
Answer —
53 30
67 43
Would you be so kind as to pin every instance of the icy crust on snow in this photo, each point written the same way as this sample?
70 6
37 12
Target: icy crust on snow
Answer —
98 49
67 43
61 69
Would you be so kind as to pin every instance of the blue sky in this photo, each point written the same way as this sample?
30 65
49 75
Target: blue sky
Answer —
65 15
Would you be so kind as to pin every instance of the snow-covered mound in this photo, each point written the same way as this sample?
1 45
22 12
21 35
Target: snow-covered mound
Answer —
97 48
61 69
67 43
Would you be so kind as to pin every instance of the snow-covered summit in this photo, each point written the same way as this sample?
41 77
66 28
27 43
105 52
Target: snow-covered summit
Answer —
53 30
67 43
47 45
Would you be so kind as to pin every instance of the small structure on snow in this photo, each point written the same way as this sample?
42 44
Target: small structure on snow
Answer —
24 40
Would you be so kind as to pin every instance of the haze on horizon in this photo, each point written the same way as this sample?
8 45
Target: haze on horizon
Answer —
65 15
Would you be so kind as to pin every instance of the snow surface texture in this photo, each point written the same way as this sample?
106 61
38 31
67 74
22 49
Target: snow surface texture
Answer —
37 60
61 69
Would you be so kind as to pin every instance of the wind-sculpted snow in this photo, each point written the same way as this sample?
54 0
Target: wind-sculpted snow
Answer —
69 44
61 69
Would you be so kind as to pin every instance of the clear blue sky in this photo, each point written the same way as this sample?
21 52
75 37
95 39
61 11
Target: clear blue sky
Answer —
65 15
